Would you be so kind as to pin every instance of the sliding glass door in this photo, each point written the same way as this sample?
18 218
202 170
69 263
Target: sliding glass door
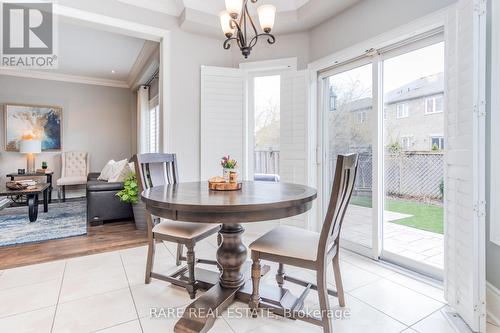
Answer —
388 107
414 144
348 120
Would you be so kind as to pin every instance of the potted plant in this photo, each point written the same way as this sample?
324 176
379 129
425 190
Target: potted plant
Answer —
228 165
130 194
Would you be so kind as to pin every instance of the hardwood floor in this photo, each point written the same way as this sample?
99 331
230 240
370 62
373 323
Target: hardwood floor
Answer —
108 237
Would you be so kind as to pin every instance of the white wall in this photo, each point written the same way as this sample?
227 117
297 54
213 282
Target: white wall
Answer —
365 20
88 111
286 46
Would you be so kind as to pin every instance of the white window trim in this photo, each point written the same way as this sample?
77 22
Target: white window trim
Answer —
361 117
437 136
433 98
495 119
405 108
410 141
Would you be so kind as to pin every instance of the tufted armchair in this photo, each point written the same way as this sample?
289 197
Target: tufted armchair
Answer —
74 169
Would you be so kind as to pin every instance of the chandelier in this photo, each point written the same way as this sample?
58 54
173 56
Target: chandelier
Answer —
237 24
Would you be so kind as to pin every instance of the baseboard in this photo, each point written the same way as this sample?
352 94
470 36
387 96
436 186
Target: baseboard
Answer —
493 303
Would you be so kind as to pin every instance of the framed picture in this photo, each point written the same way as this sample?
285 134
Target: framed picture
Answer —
39 122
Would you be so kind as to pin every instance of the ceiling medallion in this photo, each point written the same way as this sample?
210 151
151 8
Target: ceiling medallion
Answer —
236 20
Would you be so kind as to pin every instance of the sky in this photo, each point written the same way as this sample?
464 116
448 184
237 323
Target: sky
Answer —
267 90
398 70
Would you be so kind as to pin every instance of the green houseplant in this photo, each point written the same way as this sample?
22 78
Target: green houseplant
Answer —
130 194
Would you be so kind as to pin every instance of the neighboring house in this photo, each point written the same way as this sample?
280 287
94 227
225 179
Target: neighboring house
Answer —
414 115
413 118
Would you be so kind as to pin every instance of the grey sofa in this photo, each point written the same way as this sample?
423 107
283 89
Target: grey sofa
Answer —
102 202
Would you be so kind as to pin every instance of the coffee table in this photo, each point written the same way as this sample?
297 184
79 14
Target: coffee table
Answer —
31 193
48 175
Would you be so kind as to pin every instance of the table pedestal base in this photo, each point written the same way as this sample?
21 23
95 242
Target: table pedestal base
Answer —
235 283
200 315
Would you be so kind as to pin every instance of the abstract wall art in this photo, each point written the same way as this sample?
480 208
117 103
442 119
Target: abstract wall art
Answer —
39 122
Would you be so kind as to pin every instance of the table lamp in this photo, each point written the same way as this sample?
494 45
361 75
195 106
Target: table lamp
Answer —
30 148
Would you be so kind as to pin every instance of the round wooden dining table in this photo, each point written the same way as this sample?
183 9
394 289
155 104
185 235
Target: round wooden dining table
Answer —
256 201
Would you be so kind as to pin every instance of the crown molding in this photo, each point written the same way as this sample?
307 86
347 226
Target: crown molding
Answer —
149 50
63 77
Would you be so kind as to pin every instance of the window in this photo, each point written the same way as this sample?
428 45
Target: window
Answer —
437 143
385 113
402 110
406 142
333 100
266 129
361 117
434 104
153 130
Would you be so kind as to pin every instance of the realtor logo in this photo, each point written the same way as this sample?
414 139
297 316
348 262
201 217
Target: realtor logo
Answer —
28 35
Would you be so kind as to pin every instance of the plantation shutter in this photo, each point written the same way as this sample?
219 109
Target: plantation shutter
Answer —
464 178
222 118
294 134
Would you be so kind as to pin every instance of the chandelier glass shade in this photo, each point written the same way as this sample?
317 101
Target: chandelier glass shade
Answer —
238 25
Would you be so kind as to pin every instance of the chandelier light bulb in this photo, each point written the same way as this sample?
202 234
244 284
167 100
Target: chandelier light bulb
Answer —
233 7
267 14
225 23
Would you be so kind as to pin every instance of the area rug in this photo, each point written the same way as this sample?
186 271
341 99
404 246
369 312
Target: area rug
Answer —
63 220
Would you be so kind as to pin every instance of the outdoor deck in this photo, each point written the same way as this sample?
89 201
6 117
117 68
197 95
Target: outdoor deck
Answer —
406 241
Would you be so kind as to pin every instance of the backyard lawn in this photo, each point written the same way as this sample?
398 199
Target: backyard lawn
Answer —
424 216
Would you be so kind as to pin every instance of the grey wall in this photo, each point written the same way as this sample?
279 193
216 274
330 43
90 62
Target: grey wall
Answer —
492 250
88 111
365 20
286 46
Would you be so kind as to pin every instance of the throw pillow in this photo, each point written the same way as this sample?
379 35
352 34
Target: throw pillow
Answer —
121 172
107 171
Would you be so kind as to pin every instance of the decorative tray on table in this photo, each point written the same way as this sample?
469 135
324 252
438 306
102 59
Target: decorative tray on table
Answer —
219 184
16 186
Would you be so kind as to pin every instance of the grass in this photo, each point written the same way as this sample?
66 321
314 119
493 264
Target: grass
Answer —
427 217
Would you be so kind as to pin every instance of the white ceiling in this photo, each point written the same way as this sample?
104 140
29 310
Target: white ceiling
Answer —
175 7
216 6
292 16
84 51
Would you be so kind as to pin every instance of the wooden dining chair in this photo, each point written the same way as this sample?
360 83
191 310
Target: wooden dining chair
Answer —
311 250
161 169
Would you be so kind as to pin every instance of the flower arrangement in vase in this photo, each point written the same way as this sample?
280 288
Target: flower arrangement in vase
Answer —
229 166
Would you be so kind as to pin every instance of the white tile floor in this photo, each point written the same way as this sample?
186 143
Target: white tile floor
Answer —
106 293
